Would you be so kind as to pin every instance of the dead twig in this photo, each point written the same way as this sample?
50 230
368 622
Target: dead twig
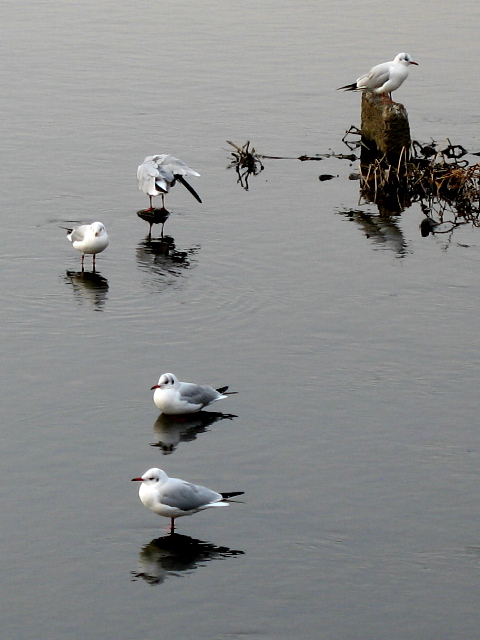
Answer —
246 162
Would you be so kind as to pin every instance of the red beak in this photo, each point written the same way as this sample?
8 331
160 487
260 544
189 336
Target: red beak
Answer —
137 479
155 386
412 62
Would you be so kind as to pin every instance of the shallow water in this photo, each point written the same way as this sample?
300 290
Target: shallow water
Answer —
354 345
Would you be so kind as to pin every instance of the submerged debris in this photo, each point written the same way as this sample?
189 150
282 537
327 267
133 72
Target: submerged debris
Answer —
246 161
437 176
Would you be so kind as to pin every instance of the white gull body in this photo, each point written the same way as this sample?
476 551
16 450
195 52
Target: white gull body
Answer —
173 397
174 498
158 173
89 238
384 78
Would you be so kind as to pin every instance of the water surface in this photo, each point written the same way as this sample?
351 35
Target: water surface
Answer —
354 345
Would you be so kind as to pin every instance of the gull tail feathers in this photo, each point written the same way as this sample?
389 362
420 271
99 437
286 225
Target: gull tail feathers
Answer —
349 87
224 391
232 494
188 187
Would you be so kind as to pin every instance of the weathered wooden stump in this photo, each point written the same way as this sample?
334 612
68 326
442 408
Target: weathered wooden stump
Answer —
384 155
385 131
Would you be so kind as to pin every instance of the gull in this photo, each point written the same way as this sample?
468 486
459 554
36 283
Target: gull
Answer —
383 78
157 174
173 397
173 498
89 238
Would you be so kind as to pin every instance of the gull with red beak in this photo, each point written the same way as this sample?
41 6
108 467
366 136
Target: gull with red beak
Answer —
174 498
173 397
383 78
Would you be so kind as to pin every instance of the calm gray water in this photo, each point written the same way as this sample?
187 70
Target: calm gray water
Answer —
356 355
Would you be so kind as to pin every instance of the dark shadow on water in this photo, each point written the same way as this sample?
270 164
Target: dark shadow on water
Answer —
384 232
174 555
171 430
88 286
428 226
163 261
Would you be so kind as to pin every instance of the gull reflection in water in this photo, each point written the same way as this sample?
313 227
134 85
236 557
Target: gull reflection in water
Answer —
154 216
88 286
171 430
175 554
383 231
161 260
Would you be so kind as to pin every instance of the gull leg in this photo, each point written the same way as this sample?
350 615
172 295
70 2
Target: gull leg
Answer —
151 206
83 258
93 262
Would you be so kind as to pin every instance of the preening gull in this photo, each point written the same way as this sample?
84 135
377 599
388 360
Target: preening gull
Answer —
159 173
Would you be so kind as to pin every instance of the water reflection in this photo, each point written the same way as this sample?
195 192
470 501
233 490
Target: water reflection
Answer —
88 286
383 231
175 554
474 550
171 430
154 216
160 259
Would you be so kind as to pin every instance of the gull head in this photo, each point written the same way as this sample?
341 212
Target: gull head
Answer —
98 228
166 381
405 58
152 476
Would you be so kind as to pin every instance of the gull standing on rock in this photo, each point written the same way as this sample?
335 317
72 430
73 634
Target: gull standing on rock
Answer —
173 498
157 174
89 238
383 78
173 397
